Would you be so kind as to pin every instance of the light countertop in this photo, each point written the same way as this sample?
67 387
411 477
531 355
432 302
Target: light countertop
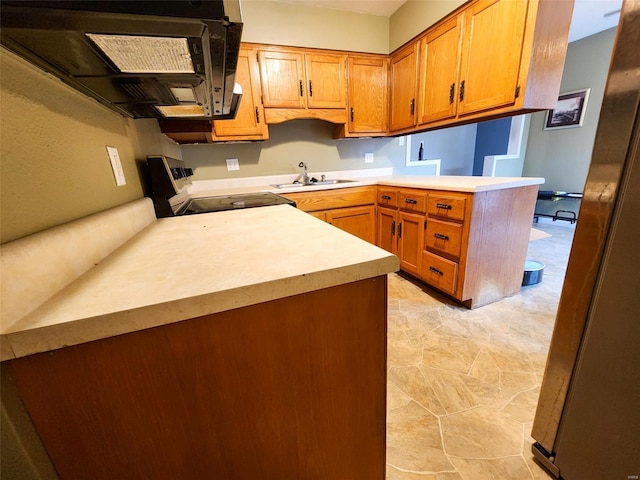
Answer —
184 267
466 184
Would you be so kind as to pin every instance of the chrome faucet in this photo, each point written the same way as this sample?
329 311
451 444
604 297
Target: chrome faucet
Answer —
304 176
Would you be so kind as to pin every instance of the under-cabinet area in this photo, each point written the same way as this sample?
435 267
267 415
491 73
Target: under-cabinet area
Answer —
486 59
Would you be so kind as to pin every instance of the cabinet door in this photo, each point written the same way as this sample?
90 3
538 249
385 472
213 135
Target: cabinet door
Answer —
326 80
387 226
282 75
404 83
368 100
492 47
358 221
410 241
249 122
440 58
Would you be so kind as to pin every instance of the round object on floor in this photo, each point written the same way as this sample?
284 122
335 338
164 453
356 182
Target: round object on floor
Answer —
533 271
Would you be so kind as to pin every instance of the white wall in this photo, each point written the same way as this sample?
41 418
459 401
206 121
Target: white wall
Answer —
454 146
414 16
290 143
563 156
306 26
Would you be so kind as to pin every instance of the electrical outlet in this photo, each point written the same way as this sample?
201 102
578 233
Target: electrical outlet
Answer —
401 141
232 164
368 158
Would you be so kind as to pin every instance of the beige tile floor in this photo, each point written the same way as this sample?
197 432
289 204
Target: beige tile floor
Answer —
463 384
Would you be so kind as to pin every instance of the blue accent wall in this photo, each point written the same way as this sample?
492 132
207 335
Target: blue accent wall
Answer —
492 138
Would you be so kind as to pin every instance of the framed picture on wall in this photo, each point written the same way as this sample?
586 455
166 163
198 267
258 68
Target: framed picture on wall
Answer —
569 111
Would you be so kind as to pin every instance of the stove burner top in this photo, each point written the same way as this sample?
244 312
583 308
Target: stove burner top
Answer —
233 202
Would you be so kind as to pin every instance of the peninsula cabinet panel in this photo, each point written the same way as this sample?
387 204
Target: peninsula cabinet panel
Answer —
368 95
404 87
283 389
440 53
249 123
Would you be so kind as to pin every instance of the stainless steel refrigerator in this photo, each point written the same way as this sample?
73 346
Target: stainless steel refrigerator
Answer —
587 424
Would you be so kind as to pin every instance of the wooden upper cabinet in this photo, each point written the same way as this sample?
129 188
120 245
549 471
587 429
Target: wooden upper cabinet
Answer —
491 54
294 79
440 54
283 79
404 86
368 98
249 123
326 76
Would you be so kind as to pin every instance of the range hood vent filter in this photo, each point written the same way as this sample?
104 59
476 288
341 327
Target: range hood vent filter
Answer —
135 54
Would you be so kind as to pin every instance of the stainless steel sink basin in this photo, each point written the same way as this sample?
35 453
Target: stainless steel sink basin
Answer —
312 184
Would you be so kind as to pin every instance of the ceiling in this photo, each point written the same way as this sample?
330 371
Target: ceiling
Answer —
589 16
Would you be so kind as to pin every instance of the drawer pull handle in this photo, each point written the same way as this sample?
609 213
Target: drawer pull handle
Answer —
410 201
444 206
436 271
441 236
386 197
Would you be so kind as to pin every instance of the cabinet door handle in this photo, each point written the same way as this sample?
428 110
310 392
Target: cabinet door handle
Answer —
441 236
352 117
462 90
411 201
436 271
399 230
301 90
452 92
393 228
413 105
310 89
386 197
257 115
444 206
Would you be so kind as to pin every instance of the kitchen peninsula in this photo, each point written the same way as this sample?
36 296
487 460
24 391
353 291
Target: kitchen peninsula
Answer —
465 236
247 343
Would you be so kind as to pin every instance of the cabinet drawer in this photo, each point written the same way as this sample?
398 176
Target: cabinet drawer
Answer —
387 198
333 198
439 272
444 237
412 201
447 206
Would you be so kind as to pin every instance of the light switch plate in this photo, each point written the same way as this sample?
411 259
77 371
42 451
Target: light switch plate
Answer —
401 141
116 166
232 164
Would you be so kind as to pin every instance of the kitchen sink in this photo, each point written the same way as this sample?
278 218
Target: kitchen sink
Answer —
312 184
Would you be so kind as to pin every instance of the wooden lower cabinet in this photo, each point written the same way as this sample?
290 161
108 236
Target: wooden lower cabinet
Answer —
350 209
279 390
410 233
386 234
470 246
358 221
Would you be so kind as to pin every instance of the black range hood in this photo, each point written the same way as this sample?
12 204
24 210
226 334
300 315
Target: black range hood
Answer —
143 59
